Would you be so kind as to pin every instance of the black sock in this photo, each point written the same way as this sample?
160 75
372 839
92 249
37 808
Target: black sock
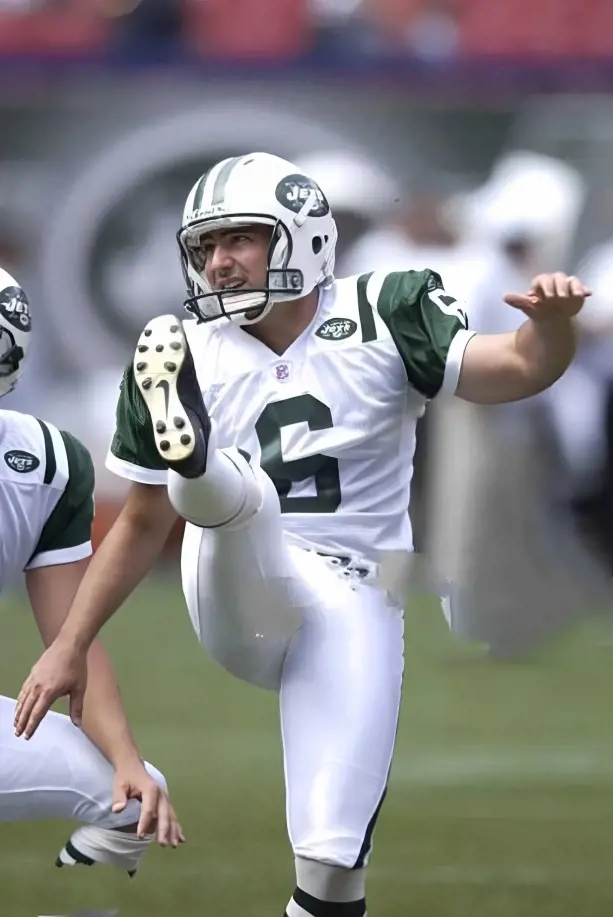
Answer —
305 905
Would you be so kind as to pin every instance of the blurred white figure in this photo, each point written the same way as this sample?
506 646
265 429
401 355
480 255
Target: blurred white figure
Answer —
521 584
359 191
426 232
529 207
578 401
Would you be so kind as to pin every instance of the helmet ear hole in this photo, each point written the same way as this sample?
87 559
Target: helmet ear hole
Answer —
317 244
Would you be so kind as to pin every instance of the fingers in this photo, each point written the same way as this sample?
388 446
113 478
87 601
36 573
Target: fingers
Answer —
520 301
169 832
120 798
77 698
176 832
163 820
32 705
158 816
577 288
558 285
151 810
21 711
544 286
557 292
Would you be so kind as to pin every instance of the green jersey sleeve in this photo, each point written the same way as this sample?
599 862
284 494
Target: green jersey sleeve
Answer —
427 325
66 536
133 441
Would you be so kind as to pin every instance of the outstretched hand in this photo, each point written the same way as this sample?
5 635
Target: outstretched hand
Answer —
550 296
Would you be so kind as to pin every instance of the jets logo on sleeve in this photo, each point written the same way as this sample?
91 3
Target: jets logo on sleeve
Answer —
20 461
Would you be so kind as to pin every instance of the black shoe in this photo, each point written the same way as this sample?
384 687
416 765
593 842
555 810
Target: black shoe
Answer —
166 378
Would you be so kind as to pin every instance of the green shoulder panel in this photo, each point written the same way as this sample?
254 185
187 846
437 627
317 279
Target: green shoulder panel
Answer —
133 440
422 320
70 523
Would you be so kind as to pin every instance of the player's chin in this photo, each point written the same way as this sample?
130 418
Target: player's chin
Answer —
253 314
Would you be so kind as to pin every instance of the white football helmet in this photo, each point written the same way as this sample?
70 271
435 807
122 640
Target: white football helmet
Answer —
258 188
15 325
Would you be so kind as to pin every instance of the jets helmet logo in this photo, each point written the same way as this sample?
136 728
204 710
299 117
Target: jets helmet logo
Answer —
15 308
293 192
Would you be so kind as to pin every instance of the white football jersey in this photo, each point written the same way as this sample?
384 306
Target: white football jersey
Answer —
46 496
332 421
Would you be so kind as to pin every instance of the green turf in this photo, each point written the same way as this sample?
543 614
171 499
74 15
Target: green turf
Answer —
501 802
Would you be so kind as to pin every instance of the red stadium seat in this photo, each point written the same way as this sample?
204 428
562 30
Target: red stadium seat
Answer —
68 31
515 28
247 29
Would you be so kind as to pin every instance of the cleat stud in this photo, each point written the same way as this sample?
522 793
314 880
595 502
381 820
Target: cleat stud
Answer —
178 422
164 445
174 329
175 345
171 367
160 426
186 439
142 348
141 366
159 348
148 332
146 383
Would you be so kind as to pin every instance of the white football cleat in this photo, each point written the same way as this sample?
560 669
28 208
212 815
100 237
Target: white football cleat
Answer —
165 374
90 845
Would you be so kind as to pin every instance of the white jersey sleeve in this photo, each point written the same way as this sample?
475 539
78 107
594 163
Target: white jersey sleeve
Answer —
66 534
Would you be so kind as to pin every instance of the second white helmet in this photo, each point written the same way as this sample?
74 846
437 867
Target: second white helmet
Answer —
261 189
15 326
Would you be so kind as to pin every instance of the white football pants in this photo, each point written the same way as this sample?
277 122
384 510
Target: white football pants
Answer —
291 620
58 773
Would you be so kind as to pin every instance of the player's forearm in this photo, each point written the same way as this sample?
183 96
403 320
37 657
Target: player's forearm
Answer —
126 555
545 349
501 368
104 718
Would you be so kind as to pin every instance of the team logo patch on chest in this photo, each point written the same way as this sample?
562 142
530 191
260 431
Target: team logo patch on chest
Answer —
21 462
337 329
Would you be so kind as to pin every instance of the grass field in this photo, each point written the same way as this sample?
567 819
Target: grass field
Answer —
501 801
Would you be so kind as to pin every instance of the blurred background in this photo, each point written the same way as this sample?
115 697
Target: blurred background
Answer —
469 136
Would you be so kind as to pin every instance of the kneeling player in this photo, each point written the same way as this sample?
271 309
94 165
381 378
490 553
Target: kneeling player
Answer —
95 776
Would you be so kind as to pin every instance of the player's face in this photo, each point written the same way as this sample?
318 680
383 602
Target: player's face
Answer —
236 258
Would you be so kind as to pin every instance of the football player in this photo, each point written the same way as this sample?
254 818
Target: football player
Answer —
94 775
280 423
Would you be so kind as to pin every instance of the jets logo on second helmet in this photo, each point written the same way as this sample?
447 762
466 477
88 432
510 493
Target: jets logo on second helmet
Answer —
15 326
